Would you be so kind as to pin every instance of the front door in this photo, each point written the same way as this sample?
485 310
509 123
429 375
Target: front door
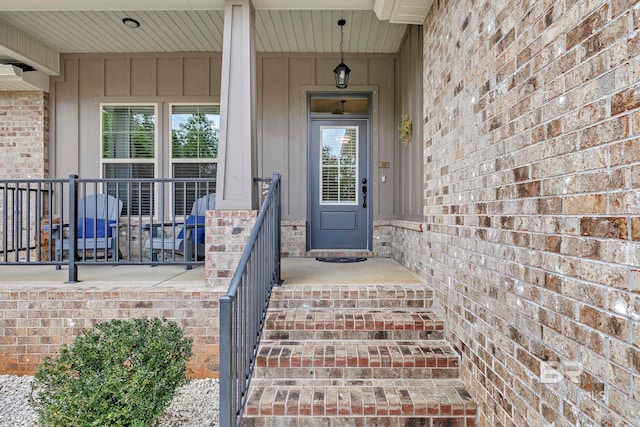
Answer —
339 200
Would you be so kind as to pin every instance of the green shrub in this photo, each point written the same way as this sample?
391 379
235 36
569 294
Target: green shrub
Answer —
119 373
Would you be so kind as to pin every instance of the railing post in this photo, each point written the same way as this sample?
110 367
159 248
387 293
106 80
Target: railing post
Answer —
276 180
73 236
5 223
226 329
16 221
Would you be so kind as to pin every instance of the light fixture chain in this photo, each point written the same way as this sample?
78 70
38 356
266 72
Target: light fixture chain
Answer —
341 41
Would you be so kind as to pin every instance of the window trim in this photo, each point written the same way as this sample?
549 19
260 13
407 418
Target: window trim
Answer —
169 162
156 147
162 159
156 134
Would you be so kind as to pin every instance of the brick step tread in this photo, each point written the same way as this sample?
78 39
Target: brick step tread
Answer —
357 354
352 335
356 373
416 295
336 291
352 319
375 397
358 421
341 382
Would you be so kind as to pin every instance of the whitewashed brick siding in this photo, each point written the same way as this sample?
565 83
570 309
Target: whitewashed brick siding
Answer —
24 142
227 235
532 203
24 134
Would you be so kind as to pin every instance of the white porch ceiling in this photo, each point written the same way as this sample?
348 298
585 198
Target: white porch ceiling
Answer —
91 31
36 32
182 4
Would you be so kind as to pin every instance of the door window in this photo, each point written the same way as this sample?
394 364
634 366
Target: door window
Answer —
339 165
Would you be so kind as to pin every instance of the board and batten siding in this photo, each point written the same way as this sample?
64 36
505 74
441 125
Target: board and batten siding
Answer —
87 80
283 81
408 202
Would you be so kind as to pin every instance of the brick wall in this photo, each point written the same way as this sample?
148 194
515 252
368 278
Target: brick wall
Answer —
293 239
35 323
24 134
24 148
294 235
532 204
227 235
409 246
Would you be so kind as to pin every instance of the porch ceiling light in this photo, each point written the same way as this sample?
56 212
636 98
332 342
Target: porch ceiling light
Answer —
130 22
341 71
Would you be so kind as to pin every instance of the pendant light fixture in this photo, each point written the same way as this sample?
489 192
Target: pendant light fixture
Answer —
342 71
339 110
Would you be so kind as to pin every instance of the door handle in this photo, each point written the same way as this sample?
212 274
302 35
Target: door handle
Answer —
364 192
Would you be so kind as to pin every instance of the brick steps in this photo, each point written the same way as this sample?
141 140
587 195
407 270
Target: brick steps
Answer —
300 324
414 296
359 402
356 359
355 355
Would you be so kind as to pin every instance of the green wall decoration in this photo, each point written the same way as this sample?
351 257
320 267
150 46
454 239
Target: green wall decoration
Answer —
406 129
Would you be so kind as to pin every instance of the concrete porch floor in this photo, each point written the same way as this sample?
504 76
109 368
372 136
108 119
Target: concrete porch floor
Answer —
103 277
295 271
308 271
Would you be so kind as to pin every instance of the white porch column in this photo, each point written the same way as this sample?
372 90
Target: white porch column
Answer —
237 146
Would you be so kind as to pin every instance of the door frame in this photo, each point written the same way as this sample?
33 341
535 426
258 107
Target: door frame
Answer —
369 117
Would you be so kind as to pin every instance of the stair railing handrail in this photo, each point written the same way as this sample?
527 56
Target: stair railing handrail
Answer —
243 309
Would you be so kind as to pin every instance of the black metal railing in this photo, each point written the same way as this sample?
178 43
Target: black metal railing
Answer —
244 307
115 221
26 205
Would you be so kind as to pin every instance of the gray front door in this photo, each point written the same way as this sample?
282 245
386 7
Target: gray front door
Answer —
339 196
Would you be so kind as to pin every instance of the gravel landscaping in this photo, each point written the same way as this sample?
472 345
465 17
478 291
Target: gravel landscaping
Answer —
195 404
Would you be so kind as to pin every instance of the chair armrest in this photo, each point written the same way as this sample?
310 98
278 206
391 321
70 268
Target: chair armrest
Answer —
54 227
55 230
153 228
115 228
147 227
189 229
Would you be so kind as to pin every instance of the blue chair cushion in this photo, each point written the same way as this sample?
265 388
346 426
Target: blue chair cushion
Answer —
102 228
193 220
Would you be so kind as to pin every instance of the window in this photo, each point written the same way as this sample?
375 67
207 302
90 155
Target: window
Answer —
195 131
338 165
132 148
129 151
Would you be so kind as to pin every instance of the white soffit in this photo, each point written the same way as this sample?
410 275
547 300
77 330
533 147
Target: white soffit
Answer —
403 11
22 46
13 78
